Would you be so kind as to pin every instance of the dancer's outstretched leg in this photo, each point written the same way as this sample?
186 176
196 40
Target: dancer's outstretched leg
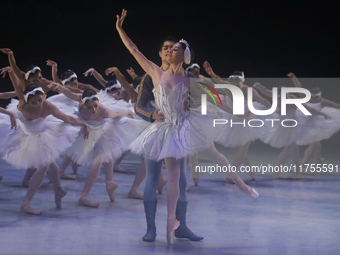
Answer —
59 192
29 173
35 183
173 167
116 167
218 158
140 175
111 186
153 170
90 180
181 210
66 161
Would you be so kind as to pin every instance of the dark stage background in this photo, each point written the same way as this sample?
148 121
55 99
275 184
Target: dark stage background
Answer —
261 38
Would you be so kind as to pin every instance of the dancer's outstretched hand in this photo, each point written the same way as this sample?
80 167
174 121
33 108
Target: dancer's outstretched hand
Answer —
86 132
5 70
89 72
208 68
13 121
158 116
130 114
53 86
111 70
258 85
291 75
131 72
6 51
120 20
51 63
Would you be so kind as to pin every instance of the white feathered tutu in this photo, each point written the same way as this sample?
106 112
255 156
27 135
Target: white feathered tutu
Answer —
5 130
38 142
237 132
280 136
316 127
12 106
174 137
107 140
64 104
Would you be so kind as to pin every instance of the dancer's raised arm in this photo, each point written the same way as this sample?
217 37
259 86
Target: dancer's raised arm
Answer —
65 91
149 67
122 80
96 75
20 74
54 66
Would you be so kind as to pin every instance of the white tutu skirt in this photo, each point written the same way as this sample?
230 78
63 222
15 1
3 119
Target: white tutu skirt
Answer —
12 106
5 130
280 136
177 140
64 104
237 132
107 140
316 128
38 142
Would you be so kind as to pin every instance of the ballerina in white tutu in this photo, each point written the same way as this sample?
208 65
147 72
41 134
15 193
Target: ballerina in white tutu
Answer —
42 135
286 137
110 136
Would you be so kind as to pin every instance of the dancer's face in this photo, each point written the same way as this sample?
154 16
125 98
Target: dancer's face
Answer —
35 79
92 105
165 49
73 83
176 54
36 101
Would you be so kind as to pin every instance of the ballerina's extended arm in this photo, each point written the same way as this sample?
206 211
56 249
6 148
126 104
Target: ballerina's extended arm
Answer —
149 67
122 80
96 75
11 116
65 91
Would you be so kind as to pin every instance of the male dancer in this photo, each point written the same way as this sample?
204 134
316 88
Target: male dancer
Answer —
144 109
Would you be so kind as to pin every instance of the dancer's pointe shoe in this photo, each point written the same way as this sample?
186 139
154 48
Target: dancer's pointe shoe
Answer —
171 226
58 195
161 184
249 191
118 169
83 201
196 177
135 194
110 188
25 208
67 176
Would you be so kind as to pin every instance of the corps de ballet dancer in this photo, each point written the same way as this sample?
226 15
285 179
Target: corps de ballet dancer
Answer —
42 135
110 135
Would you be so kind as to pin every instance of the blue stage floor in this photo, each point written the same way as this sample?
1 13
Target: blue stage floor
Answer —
290 217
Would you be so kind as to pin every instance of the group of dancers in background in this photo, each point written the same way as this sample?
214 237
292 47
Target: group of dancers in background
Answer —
155 116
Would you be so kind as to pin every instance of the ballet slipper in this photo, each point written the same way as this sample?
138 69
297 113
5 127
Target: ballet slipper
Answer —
110 188
67 176
58 195
118 169
25 208
135 194
171 226
196 177
161 184
75 167
249 191
83 201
